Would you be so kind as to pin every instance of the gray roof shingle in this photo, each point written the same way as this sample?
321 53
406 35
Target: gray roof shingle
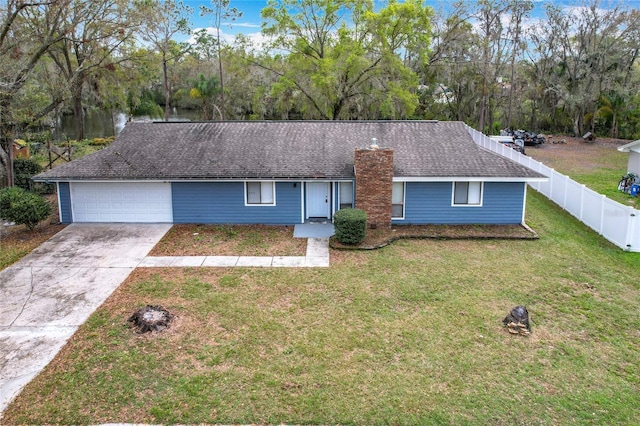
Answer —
286 150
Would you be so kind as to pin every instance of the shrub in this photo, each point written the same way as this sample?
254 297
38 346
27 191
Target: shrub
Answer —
101 141
350 225
24 169
148 107
23 207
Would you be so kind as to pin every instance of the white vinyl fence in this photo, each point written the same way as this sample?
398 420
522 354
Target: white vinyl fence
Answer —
617 223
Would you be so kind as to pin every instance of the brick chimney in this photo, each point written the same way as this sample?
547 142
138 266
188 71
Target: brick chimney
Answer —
374 184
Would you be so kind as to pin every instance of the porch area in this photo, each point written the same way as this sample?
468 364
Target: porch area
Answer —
314 229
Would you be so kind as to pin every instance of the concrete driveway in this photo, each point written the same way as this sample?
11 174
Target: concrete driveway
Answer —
49 293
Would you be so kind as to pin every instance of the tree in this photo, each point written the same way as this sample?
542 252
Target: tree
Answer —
164 20
520 9
205 89
99 30
24 169
221 12
21 48
450 69
343 59
248 93
23 207
489 16
589 52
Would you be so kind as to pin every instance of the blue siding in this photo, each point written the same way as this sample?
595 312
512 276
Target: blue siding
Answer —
430 203
64 200
223 202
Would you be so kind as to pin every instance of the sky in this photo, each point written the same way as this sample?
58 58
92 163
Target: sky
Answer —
249 23
250 20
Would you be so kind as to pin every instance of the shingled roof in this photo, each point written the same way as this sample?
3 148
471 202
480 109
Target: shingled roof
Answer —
286 150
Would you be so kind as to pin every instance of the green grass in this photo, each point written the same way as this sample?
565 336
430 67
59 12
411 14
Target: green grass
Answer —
599 168
10 255
409 334
601 179
79 149
17 243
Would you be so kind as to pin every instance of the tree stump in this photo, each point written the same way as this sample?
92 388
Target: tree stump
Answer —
151 318
517 322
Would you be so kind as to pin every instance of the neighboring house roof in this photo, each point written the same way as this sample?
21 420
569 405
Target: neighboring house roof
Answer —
286 150
633 146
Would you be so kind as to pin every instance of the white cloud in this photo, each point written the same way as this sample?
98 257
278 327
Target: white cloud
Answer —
256 38
224 36
246 25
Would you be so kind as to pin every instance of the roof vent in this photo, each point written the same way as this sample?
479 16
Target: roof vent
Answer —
374 144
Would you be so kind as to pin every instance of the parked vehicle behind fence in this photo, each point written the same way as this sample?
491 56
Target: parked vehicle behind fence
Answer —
527 138
509 141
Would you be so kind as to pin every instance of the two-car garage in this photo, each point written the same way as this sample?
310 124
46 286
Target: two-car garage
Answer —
148 202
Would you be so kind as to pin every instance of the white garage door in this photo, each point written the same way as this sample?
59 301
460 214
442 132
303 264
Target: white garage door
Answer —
121 202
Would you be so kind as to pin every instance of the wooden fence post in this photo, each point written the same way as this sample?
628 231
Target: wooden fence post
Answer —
49 153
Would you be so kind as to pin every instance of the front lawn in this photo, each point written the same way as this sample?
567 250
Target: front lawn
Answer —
230 240
408 334
17 241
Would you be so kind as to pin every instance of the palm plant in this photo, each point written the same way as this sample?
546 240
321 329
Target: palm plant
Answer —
206 89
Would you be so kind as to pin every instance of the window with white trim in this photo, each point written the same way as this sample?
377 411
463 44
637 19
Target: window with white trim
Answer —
346 195
260 193
467 193
397 200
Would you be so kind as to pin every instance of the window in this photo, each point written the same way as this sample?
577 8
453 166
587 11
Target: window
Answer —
397 200
346 195
467 193
260 193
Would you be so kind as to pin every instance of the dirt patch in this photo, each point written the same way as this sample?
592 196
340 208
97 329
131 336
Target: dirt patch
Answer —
598 164
574 154
376 238
17 235
230 240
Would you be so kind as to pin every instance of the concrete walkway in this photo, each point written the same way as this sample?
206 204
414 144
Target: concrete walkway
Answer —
317 256
324 229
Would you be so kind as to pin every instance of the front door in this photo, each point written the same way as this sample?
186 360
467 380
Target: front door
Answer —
318 202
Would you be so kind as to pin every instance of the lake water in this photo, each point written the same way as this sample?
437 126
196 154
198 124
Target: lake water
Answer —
100 124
